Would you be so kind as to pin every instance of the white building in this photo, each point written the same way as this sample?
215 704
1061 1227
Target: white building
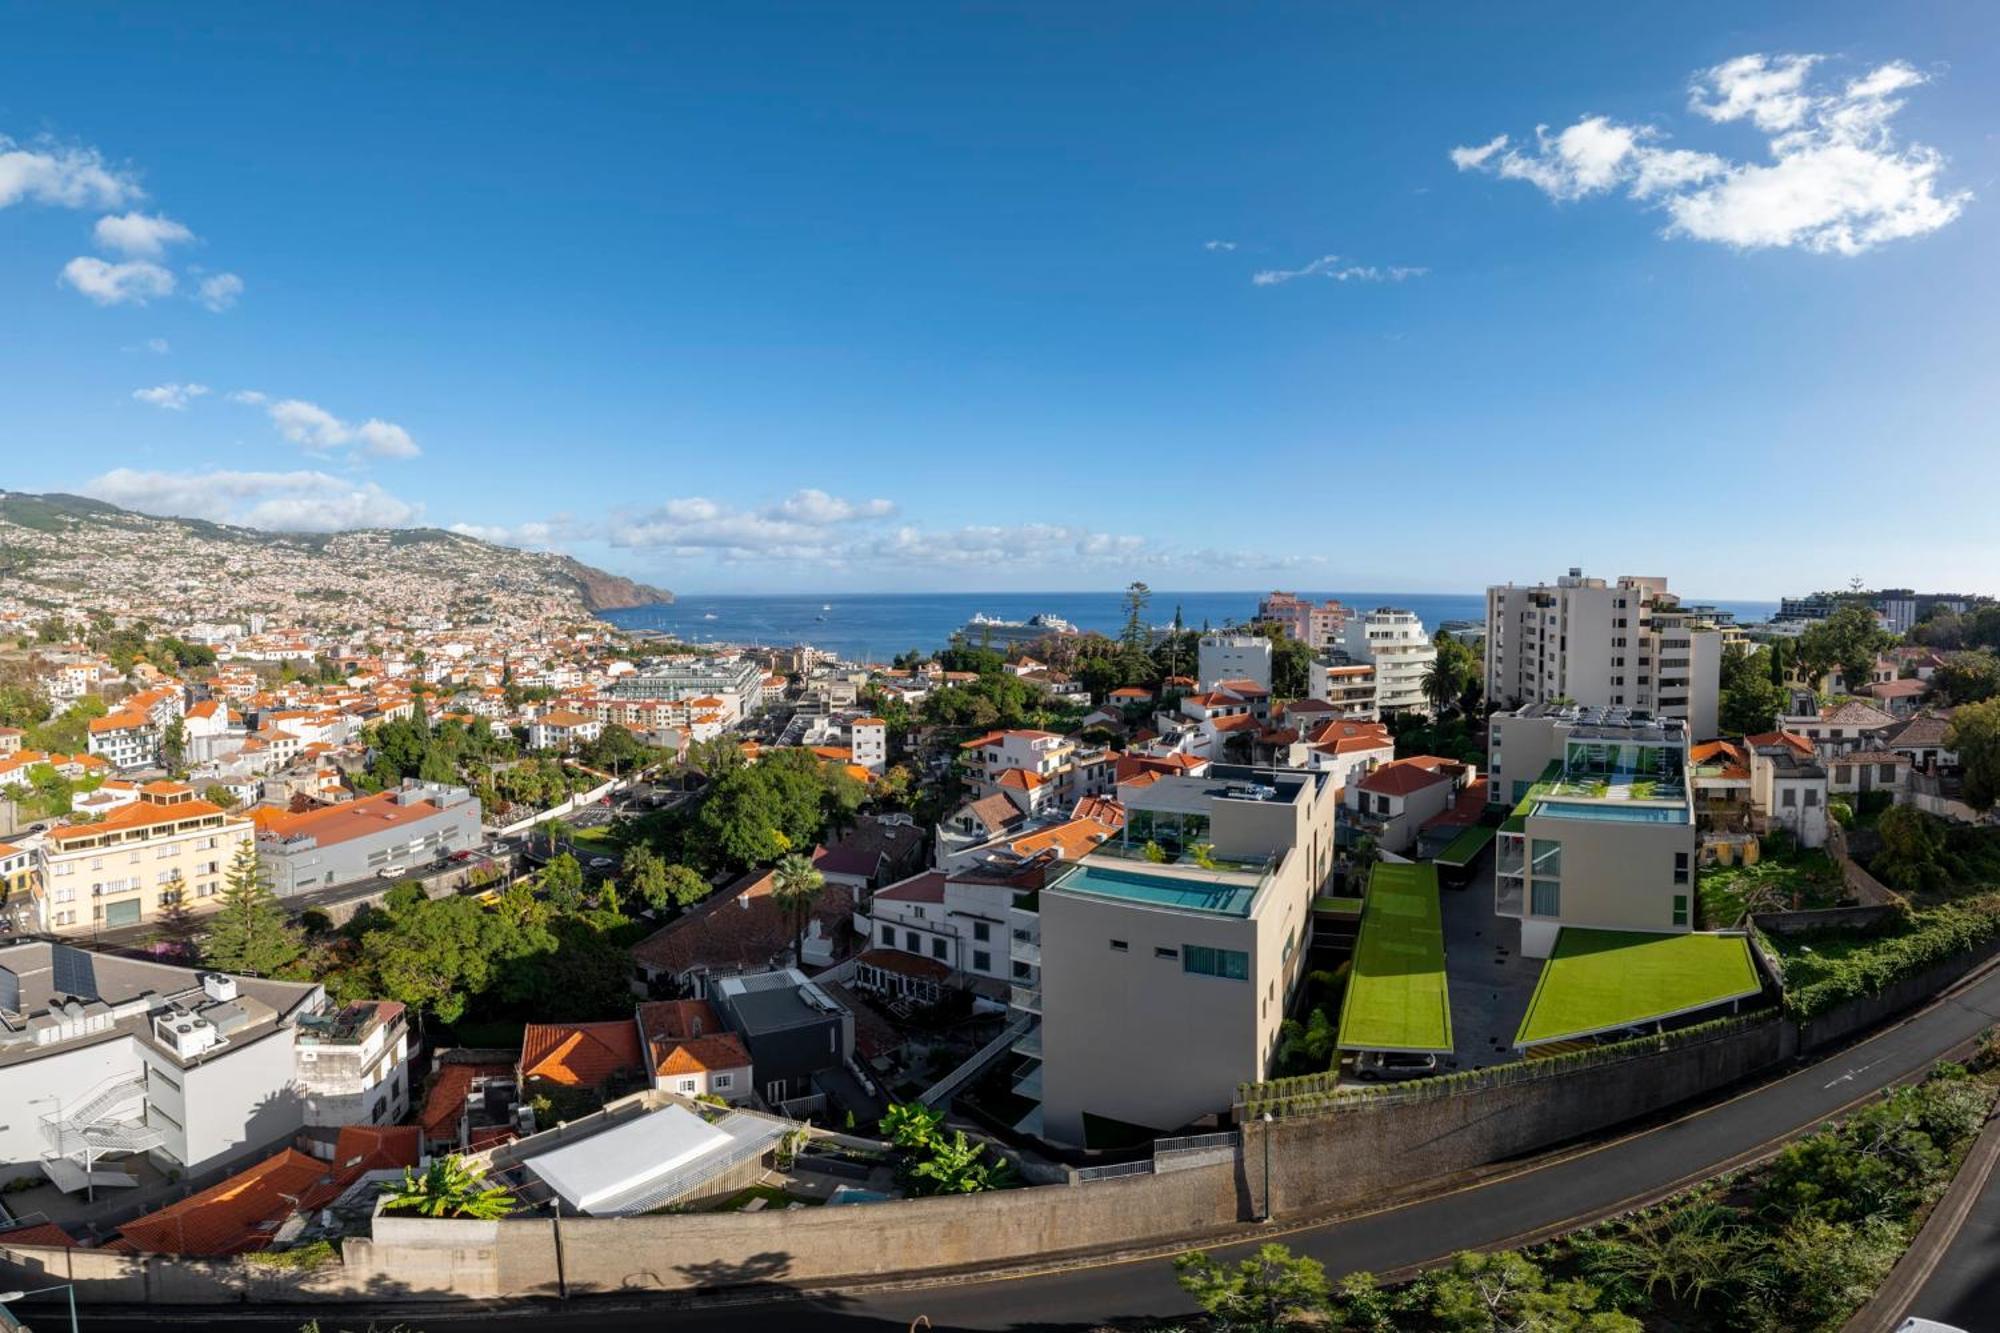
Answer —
868 737
1234 657
1395 642
1603 645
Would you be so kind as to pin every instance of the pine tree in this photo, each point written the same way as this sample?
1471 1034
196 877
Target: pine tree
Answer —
250 933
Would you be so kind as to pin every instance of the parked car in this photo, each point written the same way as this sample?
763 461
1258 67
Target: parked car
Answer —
390 872
601 863
1388 1066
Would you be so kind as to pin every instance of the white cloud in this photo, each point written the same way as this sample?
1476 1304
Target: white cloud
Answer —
219 291
312 427
539 535
301 501
158 346
1224 246
62 176
143 234
1837 181
815 506
172 397
133 283
1330 267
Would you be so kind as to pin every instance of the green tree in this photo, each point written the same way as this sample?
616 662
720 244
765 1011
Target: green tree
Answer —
1261 1294
248 932
217 794
645 875
1969 677
1848 641
1975 738
178 926
795 886
1507 1291
436 766
449 1187
1827 1270
1749 698
956 1165
685 887
562 881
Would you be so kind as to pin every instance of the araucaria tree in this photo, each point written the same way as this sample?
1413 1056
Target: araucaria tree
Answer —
249 933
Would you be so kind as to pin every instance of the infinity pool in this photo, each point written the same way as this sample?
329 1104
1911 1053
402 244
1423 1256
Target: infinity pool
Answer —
1616 810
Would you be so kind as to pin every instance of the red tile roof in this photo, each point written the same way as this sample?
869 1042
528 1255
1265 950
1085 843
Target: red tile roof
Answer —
927 887
740 928
446 1101
906 964
1403 776
580 1055
687 1037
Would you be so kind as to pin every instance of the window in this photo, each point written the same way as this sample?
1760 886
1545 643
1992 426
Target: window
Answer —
1680 867
911 942
1547 898
982 961
1791 799
1843 774
687 1086
1812 797
889 935
721 1081
1680 909
1230 964
938 950
982 931
1119 946
1162 951
1887 772
917 912
1548 857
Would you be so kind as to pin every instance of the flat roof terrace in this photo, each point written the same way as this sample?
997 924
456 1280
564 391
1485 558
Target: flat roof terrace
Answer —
1599 981
1397 997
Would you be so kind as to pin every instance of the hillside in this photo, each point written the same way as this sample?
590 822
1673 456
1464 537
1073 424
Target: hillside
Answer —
72 554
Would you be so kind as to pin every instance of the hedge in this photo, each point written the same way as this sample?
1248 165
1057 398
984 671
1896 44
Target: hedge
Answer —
1932 937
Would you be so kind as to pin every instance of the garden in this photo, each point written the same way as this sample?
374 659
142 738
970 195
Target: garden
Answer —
1786 879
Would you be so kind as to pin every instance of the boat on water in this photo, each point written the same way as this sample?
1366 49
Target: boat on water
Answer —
709 615
991 632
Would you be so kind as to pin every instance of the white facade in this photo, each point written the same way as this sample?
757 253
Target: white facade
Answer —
1234 657
1619 645
1395 641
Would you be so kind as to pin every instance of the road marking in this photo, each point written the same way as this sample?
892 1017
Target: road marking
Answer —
1848 1077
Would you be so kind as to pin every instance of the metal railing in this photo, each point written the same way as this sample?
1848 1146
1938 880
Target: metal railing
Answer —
1174 1154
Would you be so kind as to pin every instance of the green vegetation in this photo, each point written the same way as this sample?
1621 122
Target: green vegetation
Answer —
300 1258
1784 881
1795 1246
1829 968
1447 738
1329 903
1968 677
795 887
1466 847
250 932
47 794
1848 641
448 1187
1396 998
935 1164
1309 1046
1752 690
1601 980
1931 860
1975 736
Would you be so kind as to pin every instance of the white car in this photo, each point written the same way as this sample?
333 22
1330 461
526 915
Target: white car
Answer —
1916 1325
390 872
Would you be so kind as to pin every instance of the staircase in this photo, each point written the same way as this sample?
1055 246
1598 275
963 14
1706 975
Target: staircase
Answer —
109 1120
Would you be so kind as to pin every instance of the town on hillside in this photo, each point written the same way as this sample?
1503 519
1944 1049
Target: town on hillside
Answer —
537 918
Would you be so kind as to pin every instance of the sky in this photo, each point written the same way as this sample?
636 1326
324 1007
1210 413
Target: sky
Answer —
932 296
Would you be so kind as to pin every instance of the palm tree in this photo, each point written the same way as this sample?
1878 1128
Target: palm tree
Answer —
449 1187
555 829
795 887
1441 685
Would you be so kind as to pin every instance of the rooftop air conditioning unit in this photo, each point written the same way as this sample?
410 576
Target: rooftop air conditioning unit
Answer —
217 986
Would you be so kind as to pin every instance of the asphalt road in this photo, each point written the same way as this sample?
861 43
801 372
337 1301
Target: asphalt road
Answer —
1964 1289
1494 1214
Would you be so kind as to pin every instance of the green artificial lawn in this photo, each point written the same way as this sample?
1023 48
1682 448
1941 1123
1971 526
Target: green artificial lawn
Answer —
1396 998
1601 980
1466 847
1332 904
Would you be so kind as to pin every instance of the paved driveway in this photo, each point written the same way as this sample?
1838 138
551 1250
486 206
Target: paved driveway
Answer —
1490 981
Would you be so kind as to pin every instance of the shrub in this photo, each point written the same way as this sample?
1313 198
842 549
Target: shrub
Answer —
1815 984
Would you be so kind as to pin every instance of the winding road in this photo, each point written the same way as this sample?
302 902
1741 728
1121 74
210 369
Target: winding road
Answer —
1537 1200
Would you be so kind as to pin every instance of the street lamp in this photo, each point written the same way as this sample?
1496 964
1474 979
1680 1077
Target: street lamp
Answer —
9 1297
1267 1166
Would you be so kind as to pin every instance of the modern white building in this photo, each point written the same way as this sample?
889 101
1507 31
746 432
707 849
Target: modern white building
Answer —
1627 644
1232 657
1349 686
1395 641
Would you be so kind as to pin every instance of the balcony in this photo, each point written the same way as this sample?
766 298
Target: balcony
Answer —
1025 951
1029 1043
1509 896
1028 999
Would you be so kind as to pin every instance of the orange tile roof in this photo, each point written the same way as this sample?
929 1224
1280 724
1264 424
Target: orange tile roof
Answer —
926 887
138 814
868 722
446 1100
688 1037
1786 738
1024 779
42 1233
580 1055
1403 776
1070 841
330 824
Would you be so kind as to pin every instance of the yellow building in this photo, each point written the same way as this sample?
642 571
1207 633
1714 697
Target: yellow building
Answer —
119 871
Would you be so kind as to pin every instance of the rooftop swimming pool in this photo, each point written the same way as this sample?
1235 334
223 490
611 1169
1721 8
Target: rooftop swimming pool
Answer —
1171 891
1620 811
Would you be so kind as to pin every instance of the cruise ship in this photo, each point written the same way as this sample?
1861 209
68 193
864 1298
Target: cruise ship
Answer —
988 632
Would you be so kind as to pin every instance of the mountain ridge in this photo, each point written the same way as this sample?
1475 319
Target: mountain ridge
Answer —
33 526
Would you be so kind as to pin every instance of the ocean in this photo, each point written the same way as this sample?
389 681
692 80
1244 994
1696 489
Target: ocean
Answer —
874 627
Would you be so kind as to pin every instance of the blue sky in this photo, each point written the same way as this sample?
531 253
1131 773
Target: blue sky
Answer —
936 296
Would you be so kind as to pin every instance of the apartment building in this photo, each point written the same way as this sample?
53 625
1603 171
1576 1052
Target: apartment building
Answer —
695 678
1395 643
1392 802
389 833
123 869
1163 981
1627 644
104 1057
563 729
1837 729
1315 623
354 1064
1789 786
1038 771
132 735
1604 835
1349 686
1228 658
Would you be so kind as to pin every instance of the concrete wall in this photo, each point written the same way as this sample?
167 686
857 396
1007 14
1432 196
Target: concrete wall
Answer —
1858 1015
